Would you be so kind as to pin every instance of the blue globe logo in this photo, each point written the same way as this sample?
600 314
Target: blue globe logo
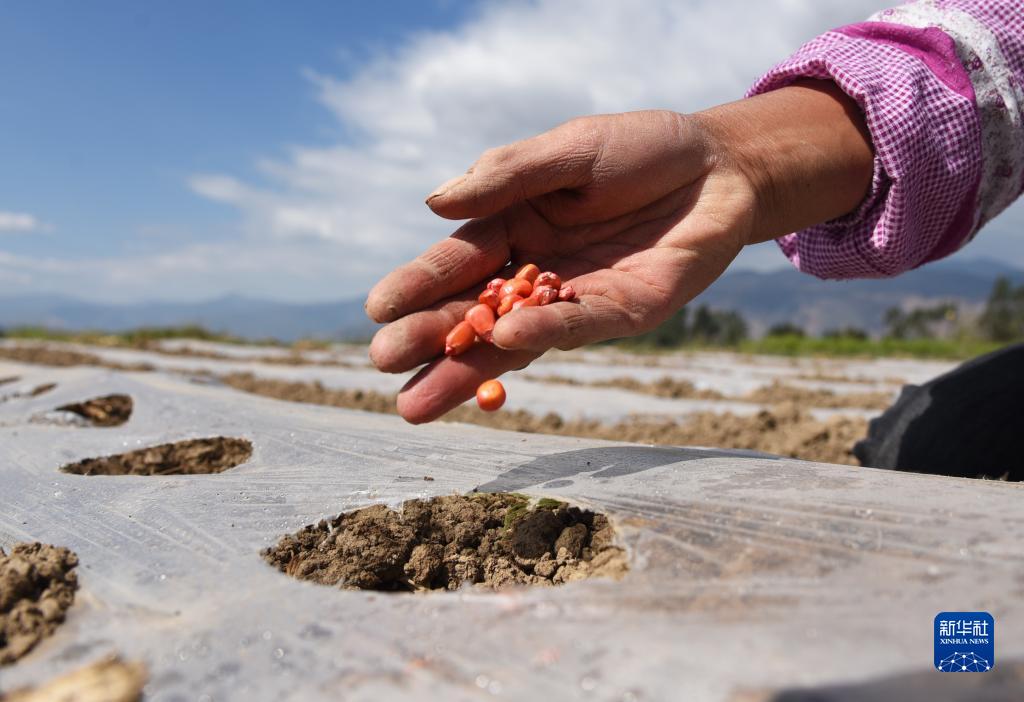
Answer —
967 662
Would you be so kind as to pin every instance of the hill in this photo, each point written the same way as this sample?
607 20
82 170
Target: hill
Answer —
762 298
250 318
817 305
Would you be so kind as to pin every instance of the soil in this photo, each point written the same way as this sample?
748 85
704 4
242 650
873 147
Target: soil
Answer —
106 411
784 429
489 539
46 356
109 680
775 393
37 585
667 386
780 392
49 356
312 393
191 457
34 392
821 376
294 357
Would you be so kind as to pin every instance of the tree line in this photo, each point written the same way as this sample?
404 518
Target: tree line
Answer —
1001 320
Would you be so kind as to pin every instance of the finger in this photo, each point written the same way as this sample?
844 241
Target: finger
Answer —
559 159
465 258
448 382
417 338
565 325
628 299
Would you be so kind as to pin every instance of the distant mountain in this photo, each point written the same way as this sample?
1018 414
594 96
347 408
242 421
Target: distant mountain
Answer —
241 316
762 298
817 305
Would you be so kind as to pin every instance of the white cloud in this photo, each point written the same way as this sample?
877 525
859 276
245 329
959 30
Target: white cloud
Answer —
277 270
326 221
221 188
20 222
422 112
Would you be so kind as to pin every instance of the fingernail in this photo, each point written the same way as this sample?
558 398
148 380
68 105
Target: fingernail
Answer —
445 188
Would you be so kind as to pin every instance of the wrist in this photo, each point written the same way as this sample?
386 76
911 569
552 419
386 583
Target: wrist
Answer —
804 151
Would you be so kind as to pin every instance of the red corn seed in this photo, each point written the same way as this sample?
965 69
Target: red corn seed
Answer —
567 294
490 396
529 273
490 298
525 302
517 286
505 306
459 339
496 284
481 317
544 294
548 278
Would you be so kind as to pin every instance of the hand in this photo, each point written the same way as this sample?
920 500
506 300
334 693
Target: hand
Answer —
639 212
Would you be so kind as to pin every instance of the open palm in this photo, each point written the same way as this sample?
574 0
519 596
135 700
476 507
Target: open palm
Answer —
639 212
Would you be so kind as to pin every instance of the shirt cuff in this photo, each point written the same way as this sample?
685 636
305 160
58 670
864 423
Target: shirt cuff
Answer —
920 110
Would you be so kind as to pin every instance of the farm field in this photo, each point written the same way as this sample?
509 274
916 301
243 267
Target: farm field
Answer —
725 400
187 500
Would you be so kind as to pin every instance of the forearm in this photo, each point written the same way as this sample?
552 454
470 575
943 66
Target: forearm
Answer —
804 149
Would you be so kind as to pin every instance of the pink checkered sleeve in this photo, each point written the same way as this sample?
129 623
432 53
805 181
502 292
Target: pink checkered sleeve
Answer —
940 84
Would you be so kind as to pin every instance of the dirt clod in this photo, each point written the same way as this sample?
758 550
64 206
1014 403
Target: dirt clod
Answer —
444 542
37 586
108 680
106 411
191 457
572 539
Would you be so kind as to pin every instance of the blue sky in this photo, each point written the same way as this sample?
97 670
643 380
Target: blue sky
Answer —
108 107
186 150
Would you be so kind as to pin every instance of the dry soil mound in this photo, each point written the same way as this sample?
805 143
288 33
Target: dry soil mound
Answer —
489 539
191 457
37 586
106 411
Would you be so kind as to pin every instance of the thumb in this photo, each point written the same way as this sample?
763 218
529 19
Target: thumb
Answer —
555 160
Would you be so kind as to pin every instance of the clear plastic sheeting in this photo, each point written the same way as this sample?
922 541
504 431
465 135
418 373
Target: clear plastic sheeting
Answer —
748 573
349 368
